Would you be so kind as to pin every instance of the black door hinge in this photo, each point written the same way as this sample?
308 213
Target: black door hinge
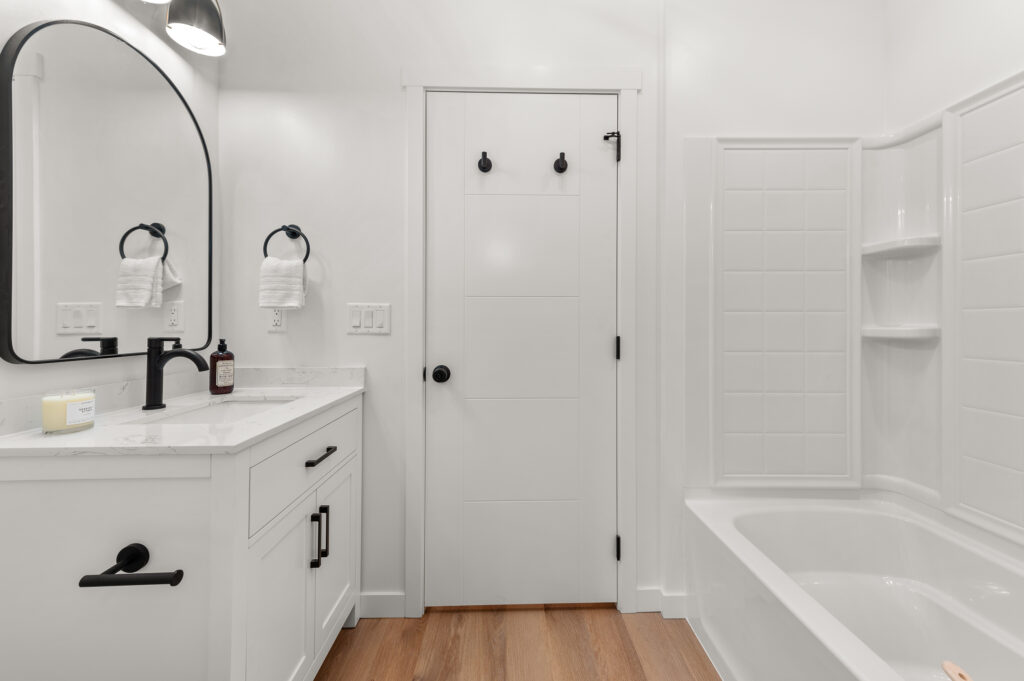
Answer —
618 347
618 548
618 143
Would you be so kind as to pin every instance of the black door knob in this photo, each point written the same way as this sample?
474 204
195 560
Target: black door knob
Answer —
442 373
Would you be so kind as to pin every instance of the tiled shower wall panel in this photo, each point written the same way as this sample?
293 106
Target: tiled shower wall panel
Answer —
991 300
782 302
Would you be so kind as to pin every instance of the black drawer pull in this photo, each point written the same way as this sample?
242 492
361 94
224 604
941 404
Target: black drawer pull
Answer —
131 559
315 518
325 511
313 463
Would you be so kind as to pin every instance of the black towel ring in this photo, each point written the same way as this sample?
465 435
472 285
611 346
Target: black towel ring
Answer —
292 232
156 230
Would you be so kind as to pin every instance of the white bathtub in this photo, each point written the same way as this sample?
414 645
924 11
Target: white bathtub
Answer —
868 589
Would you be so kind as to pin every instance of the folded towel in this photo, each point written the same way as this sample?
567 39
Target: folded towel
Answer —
282 284
171 276
140 283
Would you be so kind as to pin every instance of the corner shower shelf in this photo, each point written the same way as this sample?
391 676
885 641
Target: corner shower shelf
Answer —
902 248
904 332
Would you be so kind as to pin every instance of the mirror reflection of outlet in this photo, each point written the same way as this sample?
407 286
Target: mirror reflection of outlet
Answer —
174 316
278 321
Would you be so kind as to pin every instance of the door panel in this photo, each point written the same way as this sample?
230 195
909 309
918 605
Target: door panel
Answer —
521 291
336 499
522 246
522 135
279 638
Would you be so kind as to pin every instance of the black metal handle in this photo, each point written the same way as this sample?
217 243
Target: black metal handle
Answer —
313 463
561 165
484 164
131 559
441 373
325 511
292 232
617 136
315 518
156 230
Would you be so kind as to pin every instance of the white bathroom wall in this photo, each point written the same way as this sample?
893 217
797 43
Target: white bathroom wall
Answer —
939 52
196 77
313 126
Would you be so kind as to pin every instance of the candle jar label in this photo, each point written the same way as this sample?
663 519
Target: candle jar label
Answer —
81 412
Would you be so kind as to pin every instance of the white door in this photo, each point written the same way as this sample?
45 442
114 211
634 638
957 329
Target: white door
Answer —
521 308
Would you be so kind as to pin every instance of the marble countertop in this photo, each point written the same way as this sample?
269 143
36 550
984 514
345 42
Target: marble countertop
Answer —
133 431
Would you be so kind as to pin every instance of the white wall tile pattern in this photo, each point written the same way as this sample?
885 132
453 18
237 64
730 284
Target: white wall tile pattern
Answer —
782 302
990 451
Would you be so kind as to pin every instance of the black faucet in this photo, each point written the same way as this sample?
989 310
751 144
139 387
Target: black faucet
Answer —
156 358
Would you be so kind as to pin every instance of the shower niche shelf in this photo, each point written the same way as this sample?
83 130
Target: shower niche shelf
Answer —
902 332
907 247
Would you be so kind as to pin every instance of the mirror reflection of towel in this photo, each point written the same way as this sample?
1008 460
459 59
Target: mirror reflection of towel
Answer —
140 283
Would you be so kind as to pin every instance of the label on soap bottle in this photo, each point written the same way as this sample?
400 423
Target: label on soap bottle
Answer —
225 373
81 412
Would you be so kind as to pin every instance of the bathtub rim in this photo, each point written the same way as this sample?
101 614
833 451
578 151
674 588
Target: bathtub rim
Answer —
718 511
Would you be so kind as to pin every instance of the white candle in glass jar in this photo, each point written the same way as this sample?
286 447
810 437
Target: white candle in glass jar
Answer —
69 412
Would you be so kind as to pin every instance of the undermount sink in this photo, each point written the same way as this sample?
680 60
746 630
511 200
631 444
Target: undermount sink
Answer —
222 412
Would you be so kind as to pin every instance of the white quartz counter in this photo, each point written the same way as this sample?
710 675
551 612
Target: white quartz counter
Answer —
133 431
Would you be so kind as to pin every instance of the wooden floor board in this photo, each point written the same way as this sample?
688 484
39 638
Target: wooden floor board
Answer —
519 644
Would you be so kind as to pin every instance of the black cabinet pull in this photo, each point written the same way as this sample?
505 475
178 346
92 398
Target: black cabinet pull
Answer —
313 463
315 518
325 511
131 559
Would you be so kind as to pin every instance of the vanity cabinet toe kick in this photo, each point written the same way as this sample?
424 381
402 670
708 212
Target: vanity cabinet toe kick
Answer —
263 545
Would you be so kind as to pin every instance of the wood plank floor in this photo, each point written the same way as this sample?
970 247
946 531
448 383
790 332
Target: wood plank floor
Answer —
535 644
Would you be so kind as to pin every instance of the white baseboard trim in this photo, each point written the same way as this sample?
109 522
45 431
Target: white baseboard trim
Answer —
670 605
376 604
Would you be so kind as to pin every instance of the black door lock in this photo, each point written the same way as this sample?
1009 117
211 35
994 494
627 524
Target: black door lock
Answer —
441 373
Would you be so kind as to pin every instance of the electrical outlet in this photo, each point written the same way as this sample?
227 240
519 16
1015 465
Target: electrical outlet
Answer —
174 316
278 320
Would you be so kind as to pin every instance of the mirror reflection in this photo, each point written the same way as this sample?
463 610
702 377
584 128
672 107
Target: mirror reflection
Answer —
111 189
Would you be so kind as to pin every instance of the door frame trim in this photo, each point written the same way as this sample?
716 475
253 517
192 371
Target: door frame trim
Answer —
627 85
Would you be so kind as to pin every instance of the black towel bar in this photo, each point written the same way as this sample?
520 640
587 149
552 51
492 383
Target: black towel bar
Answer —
292 232
156 230
131 559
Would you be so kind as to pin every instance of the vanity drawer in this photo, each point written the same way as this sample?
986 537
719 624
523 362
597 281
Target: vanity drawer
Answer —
282 478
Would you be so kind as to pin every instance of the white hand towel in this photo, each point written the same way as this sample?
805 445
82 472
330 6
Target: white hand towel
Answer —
171 276
140 283
282 284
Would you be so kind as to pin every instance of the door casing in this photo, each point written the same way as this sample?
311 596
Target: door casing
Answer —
626 84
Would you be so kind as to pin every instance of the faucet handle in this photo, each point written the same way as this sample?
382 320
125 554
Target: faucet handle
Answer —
158 341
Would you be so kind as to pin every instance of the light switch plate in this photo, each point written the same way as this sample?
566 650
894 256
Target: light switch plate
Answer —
369 319
79 319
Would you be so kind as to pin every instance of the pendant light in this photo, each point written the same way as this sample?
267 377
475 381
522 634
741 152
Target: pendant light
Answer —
197 25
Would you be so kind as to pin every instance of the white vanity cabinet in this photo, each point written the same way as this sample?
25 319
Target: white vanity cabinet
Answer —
304 564
268 538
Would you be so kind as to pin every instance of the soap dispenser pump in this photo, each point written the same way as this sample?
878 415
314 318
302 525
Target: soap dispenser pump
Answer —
222 370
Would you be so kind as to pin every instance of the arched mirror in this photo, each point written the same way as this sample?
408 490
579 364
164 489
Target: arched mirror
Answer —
105 200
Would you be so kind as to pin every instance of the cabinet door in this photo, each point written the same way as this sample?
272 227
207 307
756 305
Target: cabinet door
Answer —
337 582
279 644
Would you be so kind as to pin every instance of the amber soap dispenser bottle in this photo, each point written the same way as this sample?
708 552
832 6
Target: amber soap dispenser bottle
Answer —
222 370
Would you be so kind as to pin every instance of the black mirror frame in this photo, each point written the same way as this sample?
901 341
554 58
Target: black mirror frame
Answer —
8 57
